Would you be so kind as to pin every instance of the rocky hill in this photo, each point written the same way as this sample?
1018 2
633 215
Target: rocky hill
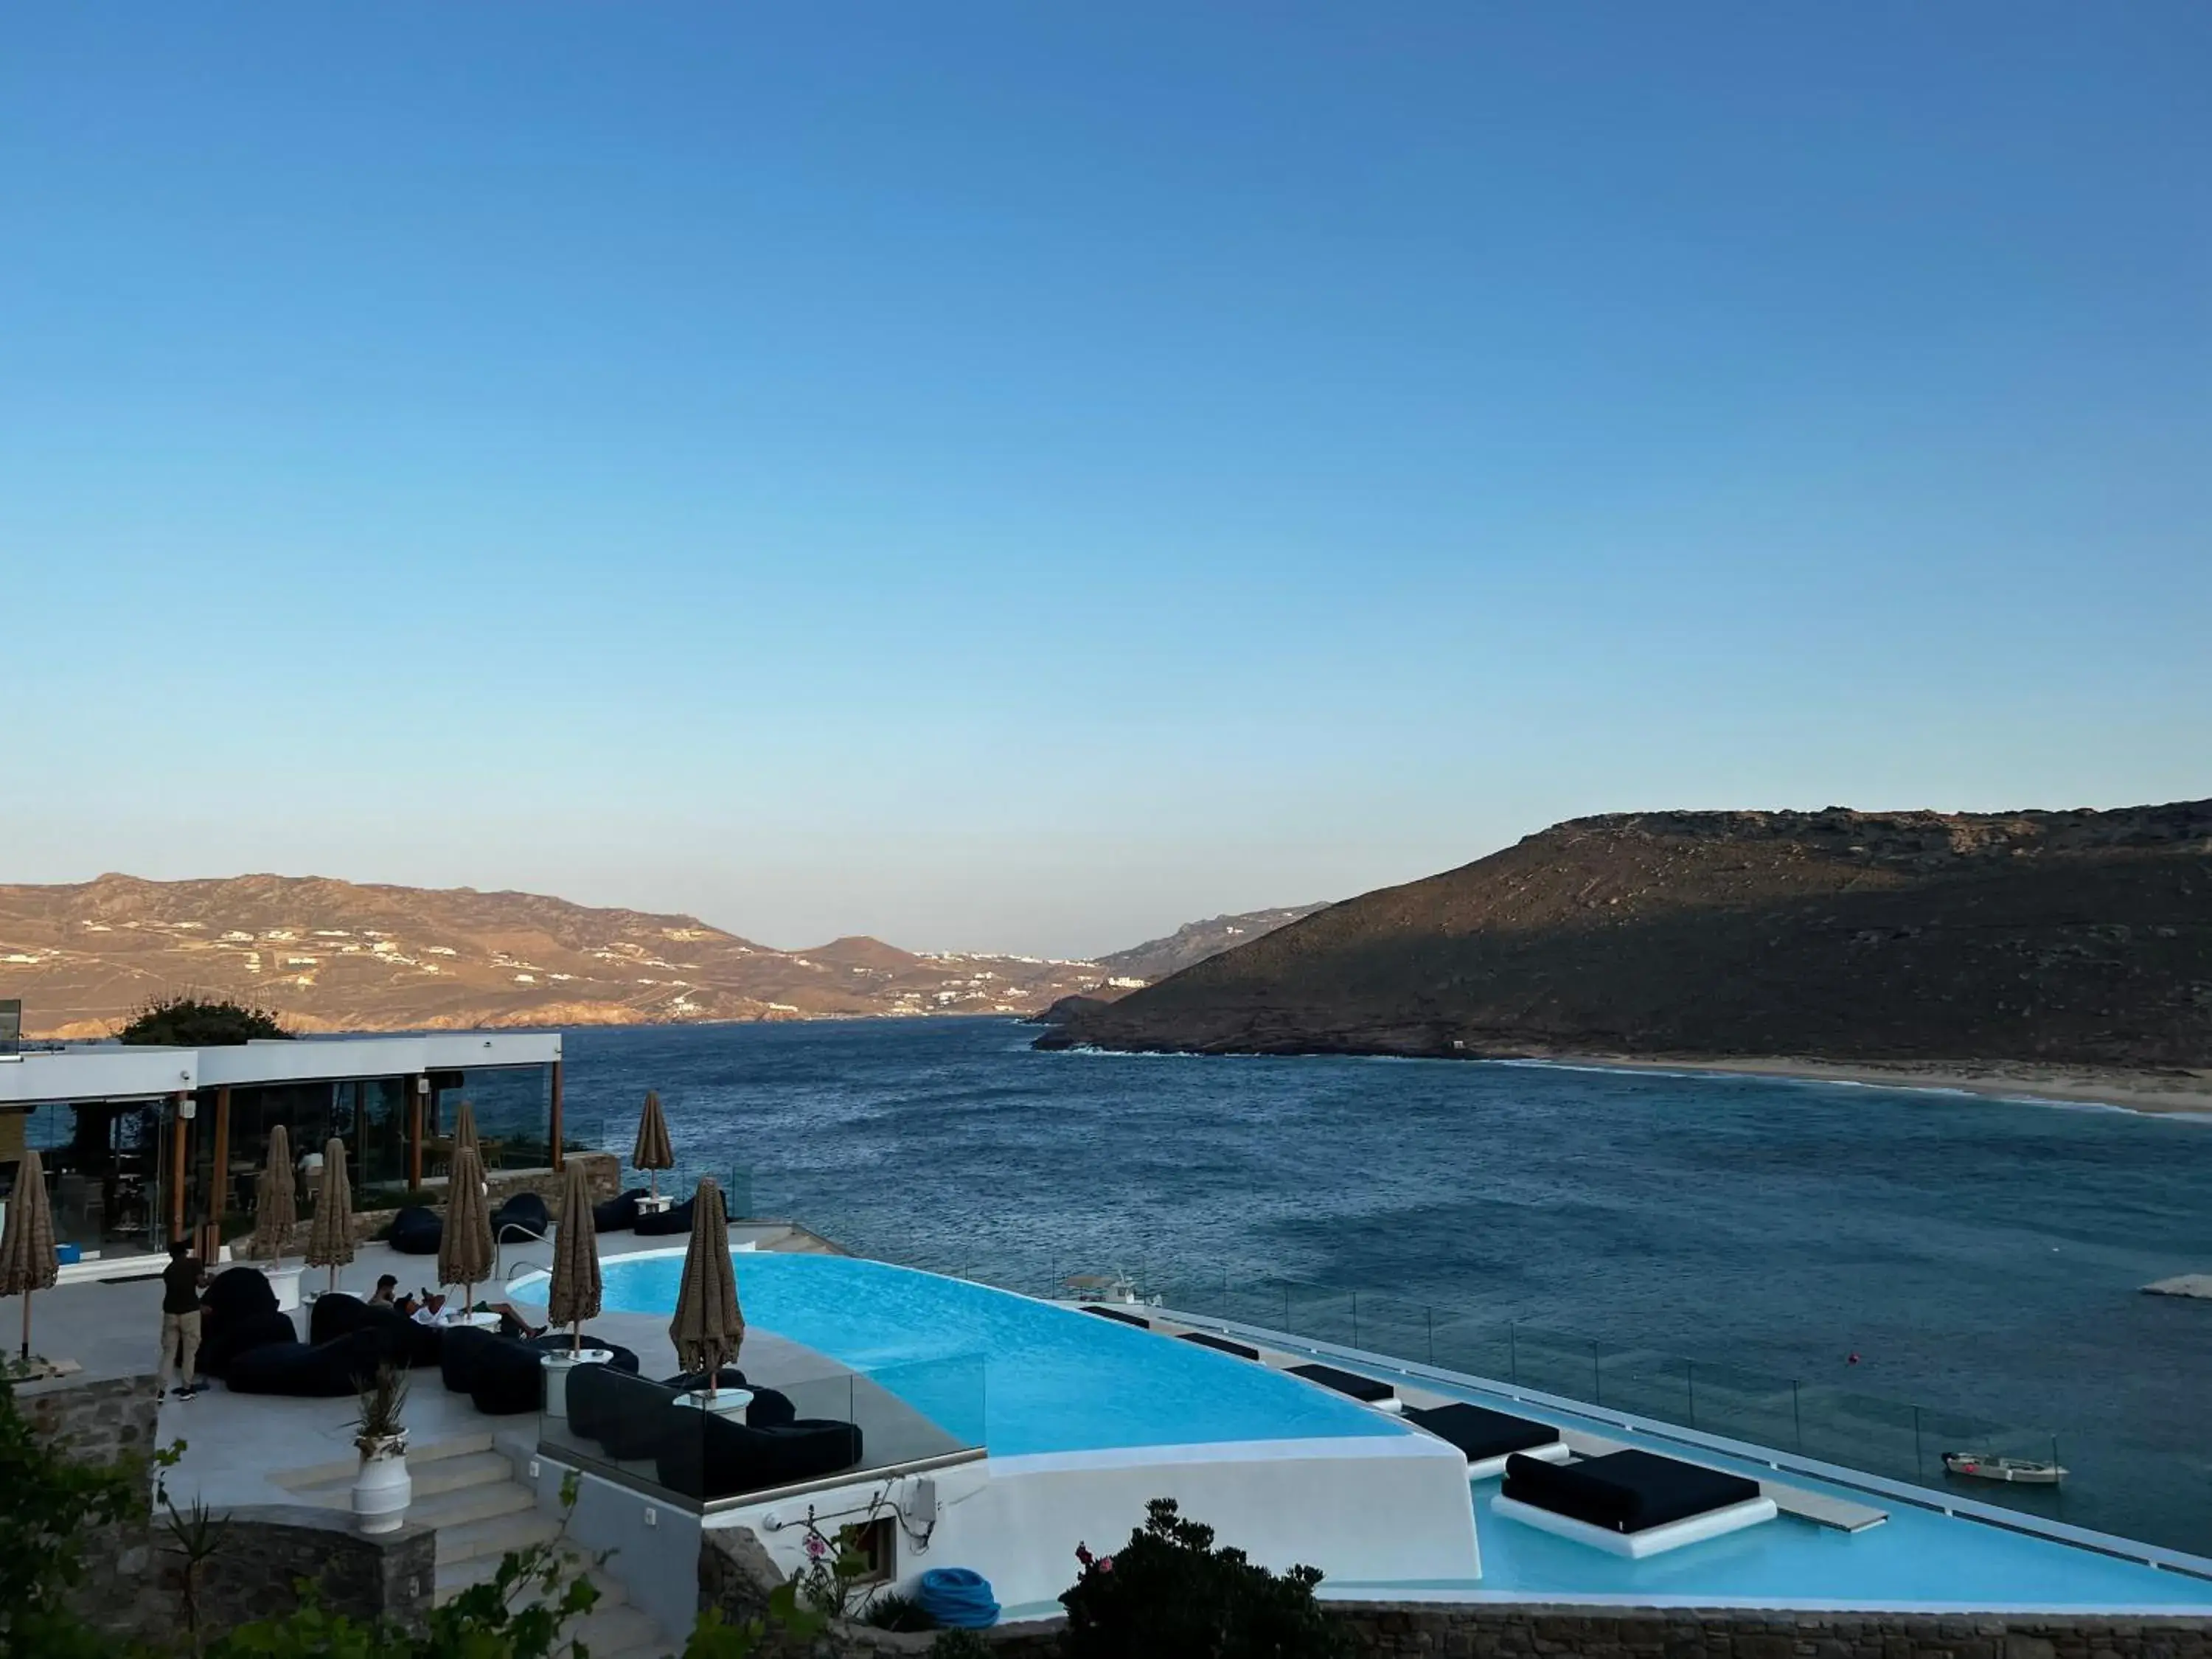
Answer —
2082 938
1194 942
329 955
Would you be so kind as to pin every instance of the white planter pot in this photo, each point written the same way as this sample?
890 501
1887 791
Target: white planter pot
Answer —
383 1489
285 1282
557 1367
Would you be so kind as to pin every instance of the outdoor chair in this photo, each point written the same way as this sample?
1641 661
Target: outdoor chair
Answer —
320 1370
1630 1503
1488 1438
1118 1317
1219 1344
675 1219
629 1415
223 1340
718 1457
236 1291
771 1409
415 1231
618 1214
1365 1389
524 1213
334 1313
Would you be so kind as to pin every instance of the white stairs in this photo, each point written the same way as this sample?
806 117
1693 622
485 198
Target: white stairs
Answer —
468 1493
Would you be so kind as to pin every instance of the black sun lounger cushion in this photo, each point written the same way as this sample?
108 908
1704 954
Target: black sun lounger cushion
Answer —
1220 1345
322 1371
1365 1389
669 1222
618 1214
1116 1315
227 1339
415 1232
1624 1491
720 1457
461 1349
1482 1433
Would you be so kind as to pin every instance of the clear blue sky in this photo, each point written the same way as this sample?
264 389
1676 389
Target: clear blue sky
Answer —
1027 475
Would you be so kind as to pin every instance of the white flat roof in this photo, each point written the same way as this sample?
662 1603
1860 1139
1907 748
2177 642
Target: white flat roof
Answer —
117 1072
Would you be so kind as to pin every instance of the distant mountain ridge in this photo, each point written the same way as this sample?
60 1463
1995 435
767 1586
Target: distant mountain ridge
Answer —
1194 941
2077 937
329 955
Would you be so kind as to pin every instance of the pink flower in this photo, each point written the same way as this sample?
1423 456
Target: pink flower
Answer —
1105 1563
1083 1554
816 1549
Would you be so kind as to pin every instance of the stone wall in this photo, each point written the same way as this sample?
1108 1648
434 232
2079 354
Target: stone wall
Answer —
602 1173
97 1421
134 1587
735 1575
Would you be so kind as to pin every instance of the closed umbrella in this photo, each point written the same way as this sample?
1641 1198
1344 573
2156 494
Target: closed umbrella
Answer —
464 1130
652 1151
574 1296
330 1239
276 1211
708 1329
27 1261
464 1248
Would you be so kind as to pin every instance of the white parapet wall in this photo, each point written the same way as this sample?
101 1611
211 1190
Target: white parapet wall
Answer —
1373 1509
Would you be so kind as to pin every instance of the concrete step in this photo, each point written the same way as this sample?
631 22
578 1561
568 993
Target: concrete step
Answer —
618 1631
454 1577
458 1473
495 1536
419 1457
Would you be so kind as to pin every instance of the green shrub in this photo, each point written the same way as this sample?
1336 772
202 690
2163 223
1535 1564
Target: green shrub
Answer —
195 1022
1168 1590
892 1611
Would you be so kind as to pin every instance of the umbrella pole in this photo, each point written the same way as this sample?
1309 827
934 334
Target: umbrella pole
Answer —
27 1327
576 1339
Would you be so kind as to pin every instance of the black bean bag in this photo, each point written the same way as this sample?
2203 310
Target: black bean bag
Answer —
334 1313
1625 1491
236 1291
721 1456
461 1349
525 1212
677 1219
629 1415
409 1344
415 1231
769 1409
1116 1315
1220 1344
510 1379
625 1359
320 1370
223 1340
618 1214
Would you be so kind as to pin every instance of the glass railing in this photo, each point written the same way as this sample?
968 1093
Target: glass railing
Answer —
785 1428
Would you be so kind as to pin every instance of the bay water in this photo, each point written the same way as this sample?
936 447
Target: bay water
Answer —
1980 1259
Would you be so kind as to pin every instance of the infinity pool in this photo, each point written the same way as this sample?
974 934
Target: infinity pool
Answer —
1018 1376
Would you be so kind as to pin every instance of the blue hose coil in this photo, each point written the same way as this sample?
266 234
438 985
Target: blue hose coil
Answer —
958 1599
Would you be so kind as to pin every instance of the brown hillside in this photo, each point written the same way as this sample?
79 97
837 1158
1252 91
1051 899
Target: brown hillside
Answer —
337 956
2081 938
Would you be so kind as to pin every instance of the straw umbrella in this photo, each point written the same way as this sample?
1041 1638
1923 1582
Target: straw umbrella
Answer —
464 1130
652 1151
27 1261
276 1211
330 1240
574 1296
464 1247
708 1329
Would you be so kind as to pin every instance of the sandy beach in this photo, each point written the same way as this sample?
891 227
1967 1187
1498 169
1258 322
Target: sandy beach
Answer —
2179 1092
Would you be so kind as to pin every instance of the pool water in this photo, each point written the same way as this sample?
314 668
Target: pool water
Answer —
1016 1375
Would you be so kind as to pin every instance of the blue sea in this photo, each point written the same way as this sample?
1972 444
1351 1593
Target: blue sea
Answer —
1980 1258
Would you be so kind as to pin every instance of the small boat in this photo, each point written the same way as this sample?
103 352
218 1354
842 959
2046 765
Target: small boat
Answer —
1988 1465
1107 1287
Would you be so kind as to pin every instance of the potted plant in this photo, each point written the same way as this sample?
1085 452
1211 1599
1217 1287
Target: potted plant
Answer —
383 1489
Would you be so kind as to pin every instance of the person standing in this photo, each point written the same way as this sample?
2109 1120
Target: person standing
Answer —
180 1322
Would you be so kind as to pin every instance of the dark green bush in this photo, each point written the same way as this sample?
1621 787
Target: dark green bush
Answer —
196 1022
1169 1594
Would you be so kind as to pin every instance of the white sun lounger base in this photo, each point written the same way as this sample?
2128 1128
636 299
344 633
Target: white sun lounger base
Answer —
1652 1540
